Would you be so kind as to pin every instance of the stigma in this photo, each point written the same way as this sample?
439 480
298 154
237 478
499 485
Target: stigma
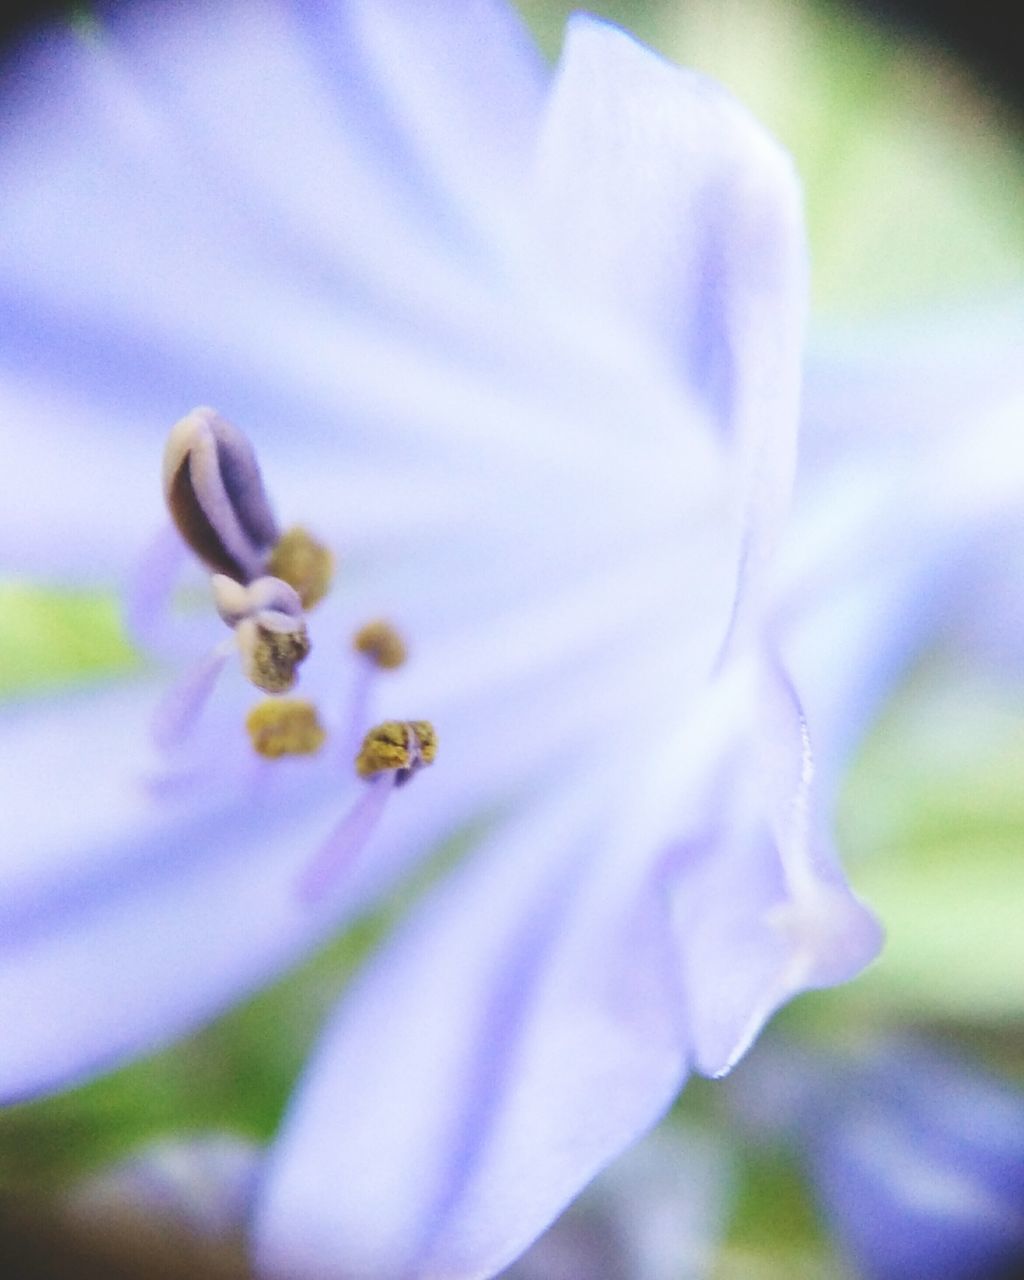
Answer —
402 747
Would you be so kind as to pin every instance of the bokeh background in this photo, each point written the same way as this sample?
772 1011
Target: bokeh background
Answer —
905 121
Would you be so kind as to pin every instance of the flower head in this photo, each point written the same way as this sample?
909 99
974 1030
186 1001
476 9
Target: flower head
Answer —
524 351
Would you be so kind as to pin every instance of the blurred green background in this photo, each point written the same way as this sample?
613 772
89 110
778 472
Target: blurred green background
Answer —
915 189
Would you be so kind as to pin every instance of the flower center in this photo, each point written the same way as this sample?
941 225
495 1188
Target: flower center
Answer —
264 584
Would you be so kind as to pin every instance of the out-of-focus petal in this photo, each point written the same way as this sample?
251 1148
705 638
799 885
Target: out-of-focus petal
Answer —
149 915
141 102
537 997
662 198
426 75
908 479
199 1186
917 1158
656 1214
317 261
923 377
79 487
785 919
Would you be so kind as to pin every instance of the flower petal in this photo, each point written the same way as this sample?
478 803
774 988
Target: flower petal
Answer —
199 1186
909 476
910 381
148 916
917 1158
308 257
111 333
658 1213
125 119
79 492
784 919
519 1032
660 196
429 72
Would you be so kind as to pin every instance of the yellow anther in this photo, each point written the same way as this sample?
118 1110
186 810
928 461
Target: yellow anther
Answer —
402 745
381 643
271 659
285 727
304 563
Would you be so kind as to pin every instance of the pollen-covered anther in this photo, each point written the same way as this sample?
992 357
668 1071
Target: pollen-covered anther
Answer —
401 746
285 727
382 644
304 563
271 654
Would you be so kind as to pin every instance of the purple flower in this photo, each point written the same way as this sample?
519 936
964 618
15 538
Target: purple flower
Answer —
523 350
916 1157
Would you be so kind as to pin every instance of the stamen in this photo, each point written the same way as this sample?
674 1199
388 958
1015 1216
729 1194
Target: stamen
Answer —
391 754
182 705
215 494
401 746
303 562
149 590
285 727
346 841
382 644
382 649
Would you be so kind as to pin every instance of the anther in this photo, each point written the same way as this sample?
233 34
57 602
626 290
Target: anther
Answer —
270 656
285 727
306 564
215 494
401 746
382 644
